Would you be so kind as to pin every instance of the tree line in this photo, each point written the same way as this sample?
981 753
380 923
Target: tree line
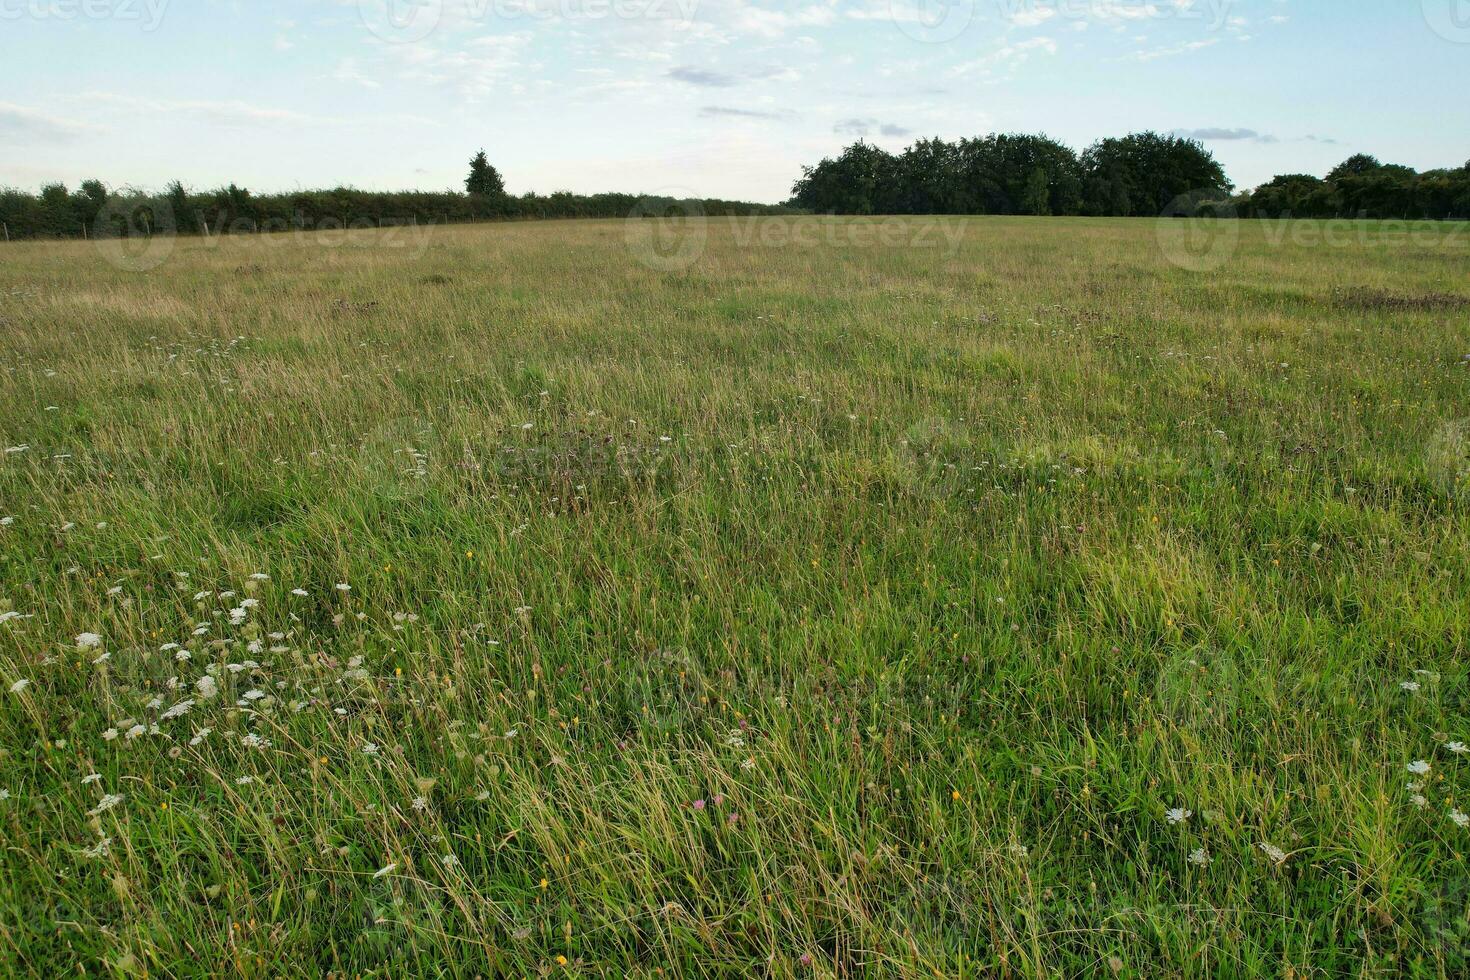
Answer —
1142 174
93 210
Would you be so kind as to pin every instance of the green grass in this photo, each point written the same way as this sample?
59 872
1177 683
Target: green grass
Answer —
939 573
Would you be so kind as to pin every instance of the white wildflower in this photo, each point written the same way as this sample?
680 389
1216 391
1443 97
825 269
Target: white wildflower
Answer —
107 802
178 710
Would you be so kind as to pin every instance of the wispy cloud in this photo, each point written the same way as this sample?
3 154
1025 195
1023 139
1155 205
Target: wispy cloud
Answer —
1217 134
713 78
703 77
1171 50
20 123
227 112
1008 56
733 112
865 127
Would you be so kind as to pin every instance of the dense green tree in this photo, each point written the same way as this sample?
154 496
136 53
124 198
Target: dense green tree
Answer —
863 180
1014 173
1037 199
1357 165
94 193
485 186
1287 196
178 204
1156 170
928 179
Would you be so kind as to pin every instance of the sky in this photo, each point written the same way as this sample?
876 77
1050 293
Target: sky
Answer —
706 98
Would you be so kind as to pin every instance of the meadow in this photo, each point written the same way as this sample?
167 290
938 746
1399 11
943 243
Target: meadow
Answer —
788 597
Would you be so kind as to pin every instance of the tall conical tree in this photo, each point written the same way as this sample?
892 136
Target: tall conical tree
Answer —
484 180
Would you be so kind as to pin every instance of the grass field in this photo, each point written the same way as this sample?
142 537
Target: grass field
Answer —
972 597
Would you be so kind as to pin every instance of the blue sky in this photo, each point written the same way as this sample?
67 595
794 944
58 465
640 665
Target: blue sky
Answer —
719 98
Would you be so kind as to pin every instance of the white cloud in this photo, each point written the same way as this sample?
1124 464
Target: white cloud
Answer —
227 111
20 123
1008 56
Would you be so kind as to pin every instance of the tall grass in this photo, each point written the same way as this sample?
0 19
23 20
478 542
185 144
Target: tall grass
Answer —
837 605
